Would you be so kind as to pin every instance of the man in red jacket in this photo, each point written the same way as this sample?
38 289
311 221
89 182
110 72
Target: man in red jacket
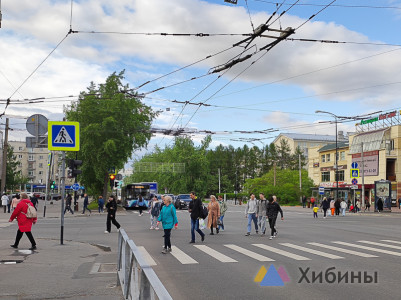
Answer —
24 223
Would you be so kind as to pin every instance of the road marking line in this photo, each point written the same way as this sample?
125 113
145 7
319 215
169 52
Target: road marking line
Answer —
342 250
369 248
281 252
249 253
380 244
146 256
308 250
391 241
215 254
181 256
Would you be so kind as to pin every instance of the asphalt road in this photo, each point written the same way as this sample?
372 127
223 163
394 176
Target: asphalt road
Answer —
210 275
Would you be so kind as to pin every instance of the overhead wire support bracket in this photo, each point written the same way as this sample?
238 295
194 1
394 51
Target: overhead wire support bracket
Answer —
231 64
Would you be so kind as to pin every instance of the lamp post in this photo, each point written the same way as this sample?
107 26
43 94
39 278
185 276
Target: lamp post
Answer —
336 158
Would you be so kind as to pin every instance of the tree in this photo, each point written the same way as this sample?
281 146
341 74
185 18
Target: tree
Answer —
14 177
113 123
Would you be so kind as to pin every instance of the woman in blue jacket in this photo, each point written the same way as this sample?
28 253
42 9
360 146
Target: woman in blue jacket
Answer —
168 217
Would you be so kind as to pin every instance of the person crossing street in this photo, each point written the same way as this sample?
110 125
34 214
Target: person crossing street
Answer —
273 208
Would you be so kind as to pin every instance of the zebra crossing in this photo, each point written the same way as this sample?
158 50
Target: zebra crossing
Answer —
272 253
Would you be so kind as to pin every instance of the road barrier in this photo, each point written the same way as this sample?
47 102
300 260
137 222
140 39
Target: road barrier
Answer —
136 278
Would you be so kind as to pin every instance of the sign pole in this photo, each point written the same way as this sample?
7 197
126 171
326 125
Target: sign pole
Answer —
363 179
62 182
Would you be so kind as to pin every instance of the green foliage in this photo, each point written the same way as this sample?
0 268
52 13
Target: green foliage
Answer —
14 178
286 188
112 125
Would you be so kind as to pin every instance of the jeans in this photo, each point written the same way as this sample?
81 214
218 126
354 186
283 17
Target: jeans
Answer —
28 234
195 226
343 211
262 223
111 219
252 217
221 226
167 242
86 208
100 207
153 221
315 214
272 223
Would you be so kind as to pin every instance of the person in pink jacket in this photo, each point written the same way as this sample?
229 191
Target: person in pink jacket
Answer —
24 223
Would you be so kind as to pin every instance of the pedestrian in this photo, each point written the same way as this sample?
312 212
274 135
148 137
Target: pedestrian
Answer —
343 206
399 203
86 202
367 204
250 213
312 202
168 217
261 213
315 210
303 201
15 201
332 207
24 223
214 214
100 204
194 208
68 202
111 207
141 203
357 206
337 207
273 208
4 201
10 199
154 213
380 205
35 201
223 209
325 205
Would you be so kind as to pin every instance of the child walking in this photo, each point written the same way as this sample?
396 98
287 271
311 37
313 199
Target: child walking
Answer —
315 209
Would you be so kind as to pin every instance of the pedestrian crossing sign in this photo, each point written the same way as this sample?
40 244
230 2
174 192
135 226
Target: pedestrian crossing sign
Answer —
63 136
354 173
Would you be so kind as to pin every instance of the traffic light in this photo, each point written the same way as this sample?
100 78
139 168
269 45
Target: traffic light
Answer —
73 164
53 185
112 178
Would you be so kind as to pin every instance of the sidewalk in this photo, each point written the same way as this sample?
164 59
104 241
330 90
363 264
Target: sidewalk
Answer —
74 270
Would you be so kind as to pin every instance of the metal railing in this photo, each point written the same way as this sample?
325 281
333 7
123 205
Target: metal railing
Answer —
135 276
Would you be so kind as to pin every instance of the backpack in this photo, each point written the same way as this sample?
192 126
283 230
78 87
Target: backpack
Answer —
31 212
203 212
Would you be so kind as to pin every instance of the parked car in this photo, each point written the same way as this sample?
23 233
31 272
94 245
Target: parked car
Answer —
182 201
39 195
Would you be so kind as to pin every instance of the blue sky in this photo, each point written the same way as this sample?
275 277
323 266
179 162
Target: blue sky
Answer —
279 91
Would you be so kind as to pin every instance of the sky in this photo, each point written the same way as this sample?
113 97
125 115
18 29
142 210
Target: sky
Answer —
55 49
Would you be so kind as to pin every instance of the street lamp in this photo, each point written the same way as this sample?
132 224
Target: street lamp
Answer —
336 159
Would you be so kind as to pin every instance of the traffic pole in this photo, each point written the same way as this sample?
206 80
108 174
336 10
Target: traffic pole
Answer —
62 182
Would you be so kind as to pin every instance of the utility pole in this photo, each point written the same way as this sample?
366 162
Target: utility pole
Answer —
363 178
300 176
4 163
219 181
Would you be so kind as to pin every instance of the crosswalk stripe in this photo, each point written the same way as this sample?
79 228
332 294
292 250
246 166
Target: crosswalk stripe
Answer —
369 248
147 256
316 252
380 244
342 250
281 252
181 256
391 241
215 254
249 253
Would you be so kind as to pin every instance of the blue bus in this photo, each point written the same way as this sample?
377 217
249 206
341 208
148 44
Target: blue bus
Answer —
130 194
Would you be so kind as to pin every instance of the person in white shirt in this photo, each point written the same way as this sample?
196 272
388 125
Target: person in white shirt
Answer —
250 213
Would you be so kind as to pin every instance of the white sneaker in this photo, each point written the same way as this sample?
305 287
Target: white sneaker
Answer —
151 228
271 237
157 228
106 231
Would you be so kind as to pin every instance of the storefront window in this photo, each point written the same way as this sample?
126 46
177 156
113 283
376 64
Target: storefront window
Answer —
325 176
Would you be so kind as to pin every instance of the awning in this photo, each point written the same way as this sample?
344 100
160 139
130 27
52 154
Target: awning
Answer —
371 141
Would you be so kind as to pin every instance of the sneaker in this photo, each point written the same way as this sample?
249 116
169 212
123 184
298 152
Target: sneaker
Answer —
192 242
222 229
164 251
217 230
247 234
140 215
203 238
151 228
106 231
169 250
211 233
157 228
271 237
33 248
275 234
14 246
257 232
